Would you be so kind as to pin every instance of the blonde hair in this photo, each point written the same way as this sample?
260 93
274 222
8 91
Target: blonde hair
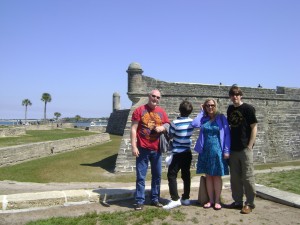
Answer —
216 111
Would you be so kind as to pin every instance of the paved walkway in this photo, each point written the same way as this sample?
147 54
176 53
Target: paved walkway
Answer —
19 196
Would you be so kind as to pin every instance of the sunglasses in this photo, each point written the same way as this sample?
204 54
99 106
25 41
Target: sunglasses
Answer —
208 106
154 96
232 93
235 94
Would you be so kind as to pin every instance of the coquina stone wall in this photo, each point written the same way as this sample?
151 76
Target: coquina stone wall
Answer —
12 131
117 122
21 153
277 110
49 126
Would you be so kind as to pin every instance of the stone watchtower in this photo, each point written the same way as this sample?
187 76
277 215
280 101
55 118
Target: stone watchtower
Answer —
116 102
135 82
119 121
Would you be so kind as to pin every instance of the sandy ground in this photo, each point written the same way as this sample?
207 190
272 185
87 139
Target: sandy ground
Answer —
266 212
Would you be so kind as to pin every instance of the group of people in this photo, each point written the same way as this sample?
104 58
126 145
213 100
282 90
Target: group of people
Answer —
224 145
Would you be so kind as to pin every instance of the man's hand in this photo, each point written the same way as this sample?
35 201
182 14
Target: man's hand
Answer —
135 151
160 129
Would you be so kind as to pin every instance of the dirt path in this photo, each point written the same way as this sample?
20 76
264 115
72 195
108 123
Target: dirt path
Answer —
266 212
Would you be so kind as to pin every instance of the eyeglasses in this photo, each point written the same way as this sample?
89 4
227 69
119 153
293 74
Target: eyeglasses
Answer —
208 106
154 96
235 94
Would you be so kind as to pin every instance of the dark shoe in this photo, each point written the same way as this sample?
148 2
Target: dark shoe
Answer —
157 204
246 209
234 205
138 207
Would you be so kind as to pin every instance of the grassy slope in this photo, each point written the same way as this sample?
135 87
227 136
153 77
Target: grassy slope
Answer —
43 135
92 164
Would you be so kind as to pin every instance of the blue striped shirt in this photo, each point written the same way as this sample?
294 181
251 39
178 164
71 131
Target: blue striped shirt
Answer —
181 131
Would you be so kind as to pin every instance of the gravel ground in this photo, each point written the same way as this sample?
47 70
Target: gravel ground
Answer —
266 212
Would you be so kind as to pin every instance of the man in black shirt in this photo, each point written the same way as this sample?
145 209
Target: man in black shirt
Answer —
243 128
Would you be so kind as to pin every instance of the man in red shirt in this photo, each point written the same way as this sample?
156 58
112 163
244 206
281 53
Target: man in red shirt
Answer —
147 126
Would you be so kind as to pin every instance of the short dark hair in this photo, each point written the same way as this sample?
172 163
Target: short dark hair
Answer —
185 108
235 90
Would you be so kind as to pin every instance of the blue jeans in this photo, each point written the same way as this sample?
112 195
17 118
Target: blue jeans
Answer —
142 162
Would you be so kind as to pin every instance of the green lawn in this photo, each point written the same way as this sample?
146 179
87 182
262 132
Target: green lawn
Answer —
286 180
91 164
43 135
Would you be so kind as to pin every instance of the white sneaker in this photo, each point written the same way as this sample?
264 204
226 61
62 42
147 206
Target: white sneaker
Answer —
185 202
172 204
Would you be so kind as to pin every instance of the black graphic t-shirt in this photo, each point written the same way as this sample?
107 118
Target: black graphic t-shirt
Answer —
240 118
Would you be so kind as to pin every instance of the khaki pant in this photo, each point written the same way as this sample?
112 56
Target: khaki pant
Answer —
242 176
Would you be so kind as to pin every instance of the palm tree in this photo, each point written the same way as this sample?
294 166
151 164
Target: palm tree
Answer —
57 114
26 102
46 97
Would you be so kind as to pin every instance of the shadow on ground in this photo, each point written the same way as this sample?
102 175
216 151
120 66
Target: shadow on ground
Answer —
107 164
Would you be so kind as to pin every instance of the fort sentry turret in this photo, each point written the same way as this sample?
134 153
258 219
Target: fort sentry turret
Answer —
135 81
116 102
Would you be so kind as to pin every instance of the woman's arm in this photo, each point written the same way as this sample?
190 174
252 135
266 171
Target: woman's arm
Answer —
197 121
227 140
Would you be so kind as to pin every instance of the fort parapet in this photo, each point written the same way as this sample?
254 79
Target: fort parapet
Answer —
277 110
21 153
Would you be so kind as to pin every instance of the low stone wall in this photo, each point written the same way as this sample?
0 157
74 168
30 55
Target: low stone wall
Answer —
96 128
12 131
49 126
17 154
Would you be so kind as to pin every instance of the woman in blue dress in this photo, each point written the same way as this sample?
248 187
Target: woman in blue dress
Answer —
213 146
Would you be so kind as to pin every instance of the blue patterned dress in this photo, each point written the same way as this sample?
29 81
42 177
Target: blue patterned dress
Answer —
211 161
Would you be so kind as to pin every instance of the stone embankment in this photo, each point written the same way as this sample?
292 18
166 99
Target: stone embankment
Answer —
17 154
11 132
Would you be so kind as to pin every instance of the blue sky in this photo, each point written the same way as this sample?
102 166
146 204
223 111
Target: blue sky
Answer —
79 50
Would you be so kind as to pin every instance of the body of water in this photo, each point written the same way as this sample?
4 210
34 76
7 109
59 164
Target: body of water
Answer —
15 122
7 123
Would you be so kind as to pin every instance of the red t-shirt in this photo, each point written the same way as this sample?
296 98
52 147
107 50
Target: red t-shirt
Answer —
149 119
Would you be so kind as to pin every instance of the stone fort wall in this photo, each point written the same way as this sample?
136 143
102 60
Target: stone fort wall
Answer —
10 132
277 110
117 122
21 153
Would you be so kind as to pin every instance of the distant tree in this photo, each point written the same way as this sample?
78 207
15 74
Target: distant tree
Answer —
77 118
26 102
57 115
67 119
46 97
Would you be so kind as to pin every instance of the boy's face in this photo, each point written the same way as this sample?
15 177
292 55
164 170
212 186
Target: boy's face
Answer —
236 98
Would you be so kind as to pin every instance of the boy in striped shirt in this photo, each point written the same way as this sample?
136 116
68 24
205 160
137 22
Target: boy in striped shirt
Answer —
180 131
